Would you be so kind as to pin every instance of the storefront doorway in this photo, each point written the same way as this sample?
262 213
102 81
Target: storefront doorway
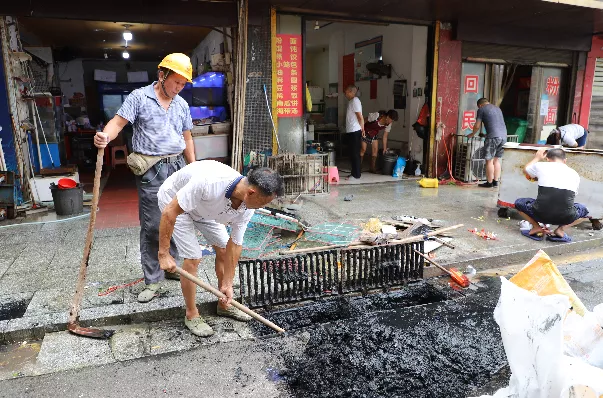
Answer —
533 100
91 69
336 55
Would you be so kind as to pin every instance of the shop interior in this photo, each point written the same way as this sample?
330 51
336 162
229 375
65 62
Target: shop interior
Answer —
515 103
517 84
387 62
82 73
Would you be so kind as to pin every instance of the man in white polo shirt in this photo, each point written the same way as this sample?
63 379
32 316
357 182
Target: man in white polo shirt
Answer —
354 128
206 196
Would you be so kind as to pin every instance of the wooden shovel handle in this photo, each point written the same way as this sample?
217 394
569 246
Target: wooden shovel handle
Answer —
74 313
221 295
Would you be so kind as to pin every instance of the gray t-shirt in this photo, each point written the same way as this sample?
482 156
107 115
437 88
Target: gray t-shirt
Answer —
493 120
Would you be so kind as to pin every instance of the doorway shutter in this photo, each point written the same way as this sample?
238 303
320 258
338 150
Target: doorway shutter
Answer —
595 139
518 55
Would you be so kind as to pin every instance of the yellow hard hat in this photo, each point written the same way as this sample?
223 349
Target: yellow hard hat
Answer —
179 63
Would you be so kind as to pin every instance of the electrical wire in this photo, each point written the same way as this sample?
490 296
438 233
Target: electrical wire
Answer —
399 77
449 165
46 222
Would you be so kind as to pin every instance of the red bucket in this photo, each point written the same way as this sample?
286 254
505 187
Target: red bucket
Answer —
67 183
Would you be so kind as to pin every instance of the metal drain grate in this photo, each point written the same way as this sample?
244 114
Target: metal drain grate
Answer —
267 282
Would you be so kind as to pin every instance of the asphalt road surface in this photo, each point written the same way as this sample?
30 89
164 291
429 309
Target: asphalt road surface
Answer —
237 369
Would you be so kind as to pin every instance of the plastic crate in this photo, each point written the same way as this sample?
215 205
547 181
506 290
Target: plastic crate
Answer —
303 174
221 128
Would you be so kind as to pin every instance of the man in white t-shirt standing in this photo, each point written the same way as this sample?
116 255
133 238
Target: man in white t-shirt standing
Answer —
354 127
571 136
557 189
205 196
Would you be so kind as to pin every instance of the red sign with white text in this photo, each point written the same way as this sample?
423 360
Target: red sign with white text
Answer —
471 84
289 81
468 120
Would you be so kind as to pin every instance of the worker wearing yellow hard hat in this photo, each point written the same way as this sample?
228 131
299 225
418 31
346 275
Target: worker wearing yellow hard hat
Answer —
177 63
162 144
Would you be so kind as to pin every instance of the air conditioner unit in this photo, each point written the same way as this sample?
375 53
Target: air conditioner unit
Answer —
470 162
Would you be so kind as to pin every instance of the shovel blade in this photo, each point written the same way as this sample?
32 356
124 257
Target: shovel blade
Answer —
90 332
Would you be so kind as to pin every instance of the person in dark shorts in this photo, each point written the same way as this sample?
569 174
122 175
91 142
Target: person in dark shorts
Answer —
571 135
557 189
496 137
377 122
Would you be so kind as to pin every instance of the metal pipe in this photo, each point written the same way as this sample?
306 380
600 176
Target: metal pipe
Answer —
272 119
37 137
361 245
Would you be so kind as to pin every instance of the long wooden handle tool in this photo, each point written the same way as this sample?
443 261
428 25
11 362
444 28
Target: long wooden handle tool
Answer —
221 295
74 314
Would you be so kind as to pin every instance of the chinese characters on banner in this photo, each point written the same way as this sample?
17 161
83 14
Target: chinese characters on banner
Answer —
553 83
551 115
471 84
289 82
471 89
468 120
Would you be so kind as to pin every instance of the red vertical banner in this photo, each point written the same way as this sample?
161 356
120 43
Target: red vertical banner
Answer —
289 79
348 71
373 89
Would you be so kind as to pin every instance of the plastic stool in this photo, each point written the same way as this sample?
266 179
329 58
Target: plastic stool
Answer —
332 174
121 160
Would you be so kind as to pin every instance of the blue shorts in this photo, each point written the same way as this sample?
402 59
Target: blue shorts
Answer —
526 206
582 140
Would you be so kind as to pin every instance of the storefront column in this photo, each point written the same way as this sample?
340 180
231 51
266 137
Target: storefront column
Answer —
240 87
596 51
446 100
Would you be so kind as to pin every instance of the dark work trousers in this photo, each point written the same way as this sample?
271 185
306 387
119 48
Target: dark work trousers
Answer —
354 143
150 215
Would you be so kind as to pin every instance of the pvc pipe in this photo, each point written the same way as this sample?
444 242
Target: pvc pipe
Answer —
3 166
37 138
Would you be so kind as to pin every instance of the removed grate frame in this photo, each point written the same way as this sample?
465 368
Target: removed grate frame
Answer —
289 279
380 267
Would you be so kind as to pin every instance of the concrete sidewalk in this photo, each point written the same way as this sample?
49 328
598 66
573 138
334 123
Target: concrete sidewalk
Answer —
39 262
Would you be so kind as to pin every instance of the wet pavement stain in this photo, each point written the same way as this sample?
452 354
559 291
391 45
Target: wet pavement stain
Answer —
383 348
16 357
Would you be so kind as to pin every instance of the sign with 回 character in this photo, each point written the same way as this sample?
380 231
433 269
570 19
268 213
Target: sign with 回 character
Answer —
289 80
472 84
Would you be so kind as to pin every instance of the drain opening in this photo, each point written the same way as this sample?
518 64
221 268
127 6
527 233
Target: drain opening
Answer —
12 308
331 309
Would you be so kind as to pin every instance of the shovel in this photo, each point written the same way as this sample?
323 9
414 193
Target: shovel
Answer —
234 303
74 314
